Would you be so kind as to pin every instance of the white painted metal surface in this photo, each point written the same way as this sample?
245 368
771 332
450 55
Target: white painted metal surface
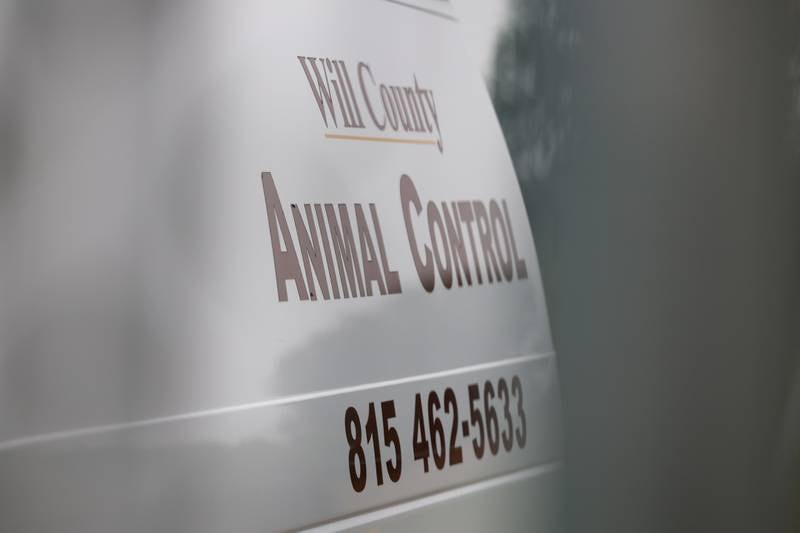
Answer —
153 374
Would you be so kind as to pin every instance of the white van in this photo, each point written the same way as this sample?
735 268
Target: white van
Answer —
268 269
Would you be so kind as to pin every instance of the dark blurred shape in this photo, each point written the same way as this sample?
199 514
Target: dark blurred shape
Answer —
532 89
658 149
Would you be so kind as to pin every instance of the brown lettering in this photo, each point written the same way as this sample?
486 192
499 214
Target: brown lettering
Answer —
391 276
409 197
485 234
369 260
465 210
345 250
323 232
505 262
309 250
287 267
522 270
321 92
363 67
445 268
456 237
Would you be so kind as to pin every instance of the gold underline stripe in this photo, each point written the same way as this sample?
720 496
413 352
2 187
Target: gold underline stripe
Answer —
378 139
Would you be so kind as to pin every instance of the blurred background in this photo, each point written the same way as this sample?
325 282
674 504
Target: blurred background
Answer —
658 150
